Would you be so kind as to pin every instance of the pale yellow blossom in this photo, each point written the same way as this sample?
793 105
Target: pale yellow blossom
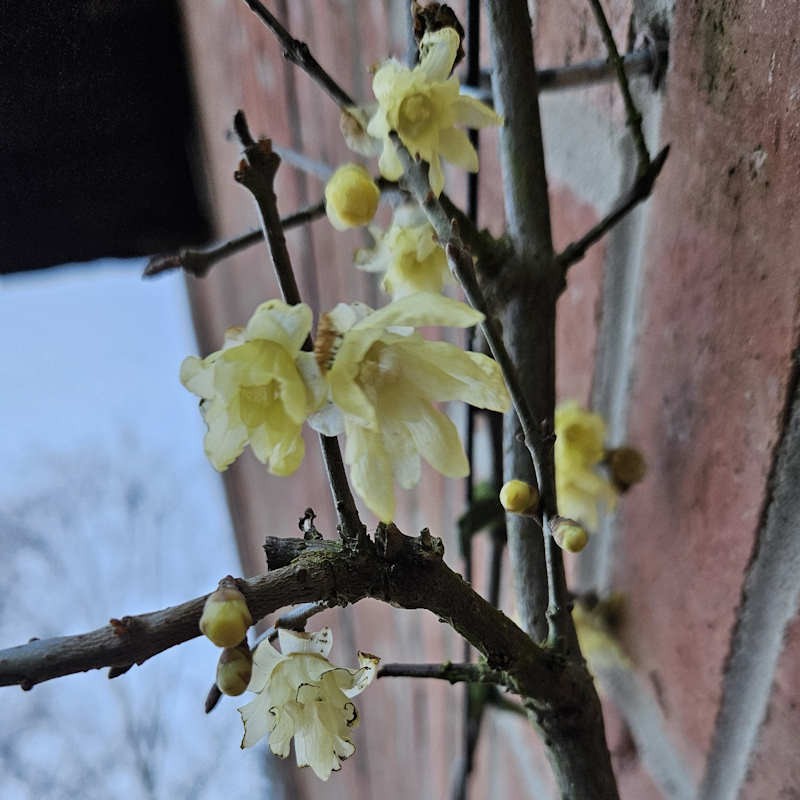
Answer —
579 449
255 390
351 197
408 254
424 105
384 380
301 694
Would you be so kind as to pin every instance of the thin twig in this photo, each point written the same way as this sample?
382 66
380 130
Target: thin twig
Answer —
199 262
633 117
648 60
297 53
463 269
450 672
257 173
303 163
640 191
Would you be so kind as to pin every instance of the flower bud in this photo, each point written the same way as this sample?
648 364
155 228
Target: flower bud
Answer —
351 197
518 497
226 617
627 467
234 668
569 535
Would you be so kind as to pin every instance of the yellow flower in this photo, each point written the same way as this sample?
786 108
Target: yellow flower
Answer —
424 105
409 255
351 197
255 389
301 694
579 448
384 380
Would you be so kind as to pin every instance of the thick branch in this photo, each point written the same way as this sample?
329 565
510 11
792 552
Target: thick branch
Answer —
257 173
405 571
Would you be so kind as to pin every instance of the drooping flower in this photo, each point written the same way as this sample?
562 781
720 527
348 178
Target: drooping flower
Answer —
253 390
409 255
424 105
384 380
579 449
301 694
351 197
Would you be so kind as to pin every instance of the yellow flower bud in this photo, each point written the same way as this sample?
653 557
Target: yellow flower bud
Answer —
226 617
569 535
234 668
351 197
627 467
518 496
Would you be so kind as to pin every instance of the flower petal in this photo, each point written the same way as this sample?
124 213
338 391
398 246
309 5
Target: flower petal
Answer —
438 51
197 375
455 147
438 443
370 470
473 114
226 436
265 659
422 309
317 642
256 720
278 322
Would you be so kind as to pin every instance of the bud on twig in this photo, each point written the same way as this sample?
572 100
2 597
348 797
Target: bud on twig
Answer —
519 497
234 668
226 617
568 534
627 467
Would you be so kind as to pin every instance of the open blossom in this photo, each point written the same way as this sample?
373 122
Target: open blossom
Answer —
384 380
408 254
579 448
253 390
301 694
424 105
351 197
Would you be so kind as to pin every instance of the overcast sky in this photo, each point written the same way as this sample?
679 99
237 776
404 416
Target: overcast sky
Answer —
107 507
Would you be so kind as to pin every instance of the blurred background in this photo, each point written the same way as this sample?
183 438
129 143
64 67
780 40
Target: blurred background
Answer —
680 327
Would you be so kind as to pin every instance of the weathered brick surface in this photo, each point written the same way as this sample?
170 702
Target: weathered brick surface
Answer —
704 373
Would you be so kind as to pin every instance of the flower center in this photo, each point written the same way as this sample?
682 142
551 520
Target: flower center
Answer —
254 400
326 343
415 116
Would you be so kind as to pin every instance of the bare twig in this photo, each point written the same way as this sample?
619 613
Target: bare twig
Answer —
303 163
298 53
648 60
257 173
639 192
633 117
538 447
450 672
199 262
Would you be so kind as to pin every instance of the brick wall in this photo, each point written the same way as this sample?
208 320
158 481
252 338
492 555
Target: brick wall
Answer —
680 327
